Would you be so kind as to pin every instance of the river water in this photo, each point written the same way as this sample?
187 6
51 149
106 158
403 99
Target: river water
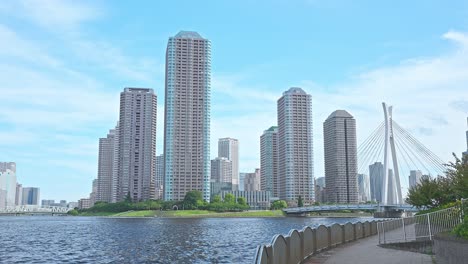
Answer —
63 239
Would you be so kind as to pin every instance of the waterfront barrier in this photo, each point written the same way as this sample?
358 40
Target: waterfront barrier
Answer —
298 245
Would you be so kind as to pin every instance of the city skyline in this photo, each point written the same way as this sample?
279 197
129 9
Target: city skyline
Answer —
44 50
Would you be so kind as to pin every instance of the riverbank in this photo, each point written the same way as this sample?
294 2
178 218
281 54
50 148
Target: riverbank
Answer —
212 214
198 214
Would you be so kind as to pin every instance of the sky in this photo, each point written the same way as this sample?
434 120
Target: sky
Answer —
64 63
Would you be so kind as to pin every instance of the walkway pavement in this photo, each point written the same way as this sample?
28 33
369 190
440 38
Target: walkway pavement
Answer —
365 251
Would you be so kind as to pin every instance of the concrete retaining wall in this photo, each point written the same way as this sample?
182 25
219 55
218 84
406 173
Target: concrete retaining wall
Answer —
449 249
298 245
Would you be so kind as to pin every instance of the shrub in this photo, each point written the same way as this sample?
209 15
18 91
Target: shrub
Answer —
462 229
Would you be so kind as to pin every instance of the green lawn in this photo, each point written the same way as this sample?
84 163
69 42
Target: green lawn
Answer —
97 214
205 213
143 213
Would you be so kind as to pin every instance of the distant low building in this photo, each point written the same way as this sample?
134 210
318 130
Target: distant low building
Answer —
47 202
255 199
252 181
84 203
217 187
363 188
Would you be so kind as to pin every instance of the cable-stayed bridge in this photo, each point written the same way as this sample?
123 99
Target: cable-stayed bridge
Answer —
391 151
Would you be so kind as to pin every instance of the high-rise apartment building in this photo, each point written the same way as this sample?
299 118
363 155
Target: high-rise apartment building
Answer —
363 188
414 178
269 161
8 186
105 180
229 148
137 144
252 181
30 196
4 166
221 170
159 176
376 173
187 116
295 146
19 194
339 135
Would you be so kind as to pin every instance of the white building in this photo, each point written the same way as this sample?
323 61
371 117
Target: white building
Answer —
414 178
364 188
8 186
229 149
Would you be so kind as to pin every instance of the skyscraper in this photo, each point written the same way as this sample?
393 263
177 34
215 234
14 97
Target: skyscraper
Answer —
252 181
8 186
363 188
339 133
106 167
30 196
414 178
229 148
137 144
7 166
295 146
187 116
159 176
269 161
376 173
221 170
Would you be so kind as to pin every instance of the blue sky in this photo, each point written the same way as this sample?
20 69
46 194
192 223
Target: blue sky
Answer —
63 64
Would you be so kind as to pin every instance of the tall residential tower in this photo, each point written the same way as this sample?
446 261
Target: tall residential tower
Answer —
187 116
269 161
137 144
295 146
105 177
339 141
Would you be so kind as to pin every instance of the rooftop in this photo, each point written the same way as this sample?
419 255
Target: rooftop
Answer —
188 34
340 113
295 90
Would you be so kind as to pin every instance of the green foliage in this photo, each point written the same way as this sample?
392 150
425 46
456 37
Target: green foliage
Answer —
278 205
73 212
229 198
462 229
300 203
128 198
436 192
193 199
241 201
216 199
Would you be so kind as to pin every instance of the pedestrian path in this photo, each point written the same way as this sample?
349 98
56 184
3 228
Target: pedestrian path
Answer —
365 251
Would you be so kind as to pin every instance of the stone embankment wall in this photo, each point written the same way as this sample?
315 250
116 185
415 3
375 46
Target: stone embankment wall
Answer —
298 245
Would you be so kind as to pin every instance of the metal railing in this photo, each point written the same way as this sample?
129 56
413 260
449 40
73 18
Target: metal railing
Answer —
421 227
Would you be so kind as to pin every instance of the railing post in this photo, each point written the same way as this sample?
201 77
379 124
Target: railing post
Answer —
404 229
429 226
378 230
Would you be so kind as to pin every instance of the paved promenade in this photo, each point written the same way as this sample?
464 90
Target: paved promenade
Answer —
365 251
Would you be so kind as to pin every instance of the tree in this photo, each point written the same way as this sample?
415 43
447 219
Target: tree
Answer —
277 205
229 199
300 203
241 201
216 199
191 199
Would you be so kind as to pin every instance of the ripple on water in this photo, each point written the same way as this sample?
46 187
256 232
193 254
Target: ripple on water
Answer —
156 240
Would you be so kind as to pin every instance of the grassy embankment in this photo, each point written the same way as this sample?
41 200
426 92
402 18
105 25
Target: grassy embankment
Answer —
198 213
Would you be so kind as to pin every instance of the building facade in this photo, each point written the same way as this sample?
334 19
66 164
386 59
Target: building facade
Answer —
320 191
106 168
363 188
376 173
242 180
137 144
31 196
255 199
269 161
187 116
159 176
295 146
252 181
339 133
229 148
414 178
221 170
4 166
8 185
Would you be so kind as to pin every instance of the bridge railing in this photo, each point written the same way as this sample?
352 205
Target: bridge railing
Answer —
33 209
421 227
298 245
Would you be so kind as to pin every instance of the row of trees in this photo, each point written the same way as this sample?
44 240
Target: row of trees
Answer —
440 191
